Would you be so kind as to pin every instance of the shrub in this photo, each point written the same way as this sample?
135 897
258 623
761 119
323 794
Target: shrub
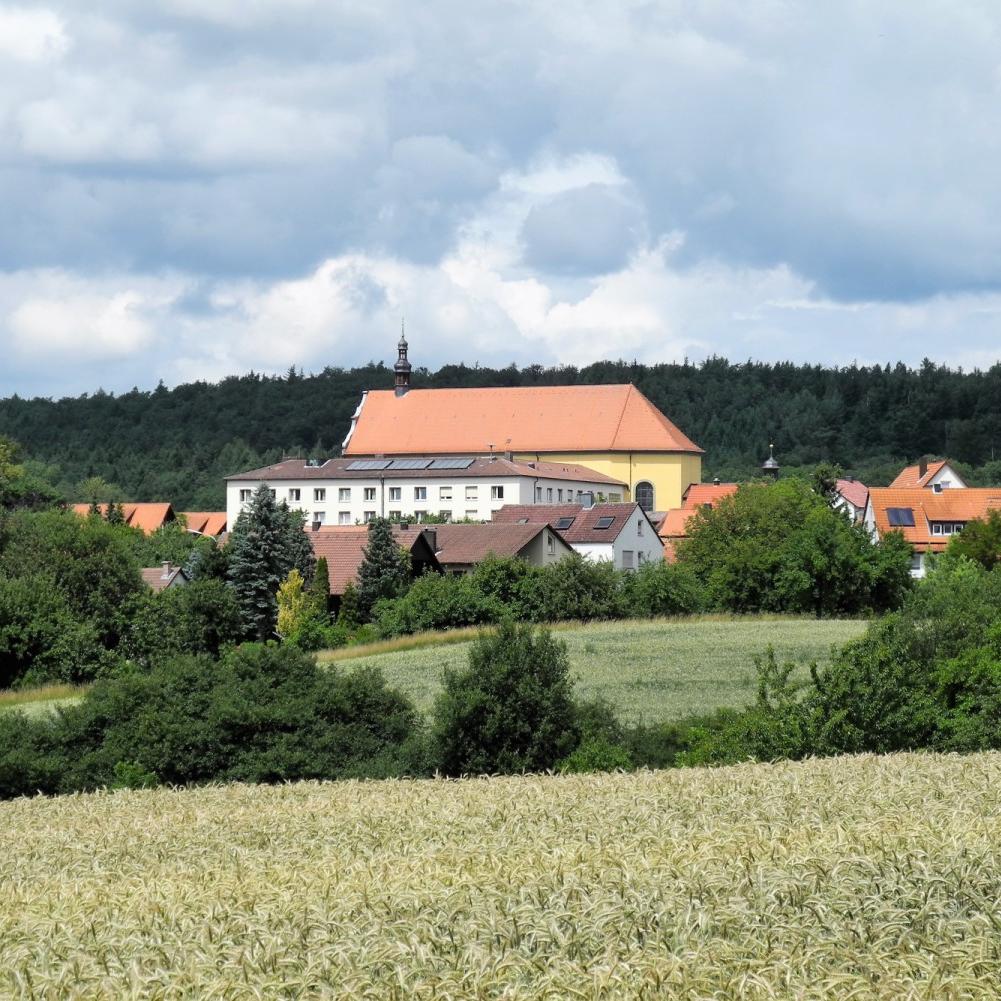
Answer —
434 602
30 759
259 714
573 588
663 589
596 755
511 711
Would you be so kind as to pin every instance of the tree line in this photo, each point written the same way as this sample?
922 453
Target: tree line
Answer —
178 444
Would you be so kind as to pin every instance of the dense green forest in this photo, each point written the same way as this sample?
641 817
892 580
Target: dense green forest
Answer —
177 444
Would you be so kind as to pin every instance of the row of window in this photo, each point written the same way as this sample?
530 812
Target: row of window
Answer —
395 494
555 496
344 517
946 527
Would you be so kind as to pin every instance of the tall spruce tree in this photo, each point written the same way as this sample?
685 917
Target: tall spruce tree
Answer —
267 542
385 570
319 590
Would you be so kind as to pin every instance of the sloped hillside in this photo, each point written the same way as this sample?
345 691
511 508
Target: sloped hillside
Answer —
866 877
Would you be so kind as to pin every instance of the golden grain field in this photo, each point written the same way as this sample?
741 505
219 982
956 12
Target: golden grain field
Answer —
849 879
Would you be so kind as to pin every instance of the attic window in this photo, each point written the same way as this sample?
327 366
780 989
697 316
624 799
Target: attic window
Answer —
900 517
562 524
605 521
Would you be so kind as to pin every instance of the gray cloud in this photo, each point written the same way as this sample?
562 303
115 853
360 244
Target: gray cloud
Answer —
434 151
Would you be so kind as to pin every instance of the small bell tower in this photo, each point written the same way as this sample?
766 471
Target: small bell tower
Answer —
770 466
402 366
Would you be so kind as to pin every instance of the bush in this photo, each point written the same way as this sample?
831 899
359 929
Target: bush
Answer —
573 588
260 714
434 602
30 759
511 711
663 589
596 755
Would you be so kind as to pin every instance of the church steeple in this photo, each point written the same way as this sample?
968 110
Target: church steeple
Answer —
402 366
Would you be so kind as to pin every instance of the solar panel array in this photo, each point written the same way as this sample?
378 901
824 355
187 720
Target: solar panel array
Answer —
900 517
452 463
370 464
410 463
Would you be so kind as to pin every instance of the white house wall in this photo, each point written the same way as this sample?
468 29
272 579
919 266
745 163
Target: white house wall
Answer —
472 497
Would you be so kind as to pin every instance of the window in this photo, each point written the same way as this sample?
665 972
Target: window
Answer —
627 559
551 544
395 515
605 521
369 516
916 562
900 517
640 558
444 493
369 494
344 495
420 515
936 528
615 498
245 496
559 494
549 494
947 528
471 493
639 526
294 494
420 493
562 524
343 517
470 515
445 515
644 495
497 493
396 493
319 517
319 493
538 494
958 527
273 494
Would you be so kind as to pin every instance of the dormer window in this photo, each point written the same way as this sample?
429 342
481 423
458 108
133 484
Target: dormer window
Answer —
936 528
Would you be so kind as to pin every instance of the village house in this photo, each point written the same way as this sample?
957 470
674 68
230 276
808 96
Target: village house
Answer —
460 548
211 523
927 518
146 517
163 577
614 430
350 491
343 547
622 533
938 475
672 526
850 496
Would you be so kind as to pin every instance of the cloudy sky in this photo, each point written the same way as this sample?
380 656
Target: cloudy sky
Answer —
194 188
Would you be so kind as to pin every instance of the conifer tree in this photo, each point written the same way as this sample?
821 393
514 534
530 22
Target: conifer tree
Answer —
349 615
385 568
267 542
319 590
115 514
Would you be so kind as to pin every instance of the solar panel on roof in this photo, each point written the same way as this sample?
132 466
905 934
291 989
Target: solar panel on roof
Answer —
410 463
900 517
369 464
605 521
451 463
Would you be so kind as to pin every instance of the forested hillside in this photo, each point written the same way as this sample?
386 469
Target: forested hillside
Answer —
177 444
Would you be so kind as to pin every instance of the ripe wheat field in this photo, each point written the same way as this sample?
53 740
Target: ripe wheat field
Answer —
857 878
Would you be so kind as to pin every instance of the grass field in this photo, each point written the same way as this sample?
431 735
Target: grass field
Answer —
865 878
649 670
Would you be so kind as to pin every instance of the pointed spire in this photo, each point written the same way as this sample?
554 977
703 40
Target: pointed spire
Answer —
402 367
770 467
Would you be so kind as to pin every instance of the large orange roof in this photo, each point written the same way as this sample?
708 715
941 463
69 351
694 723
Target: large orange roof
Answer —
516 419
205 522
929 507
699 494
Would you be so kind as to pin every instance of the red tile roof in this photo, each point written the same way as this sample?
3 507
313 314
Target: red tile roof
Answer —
343 547
205 522
700 494
910 476
465 545
674 525
585 520
928 507
160 578
147 517
853 491
519 419
334 469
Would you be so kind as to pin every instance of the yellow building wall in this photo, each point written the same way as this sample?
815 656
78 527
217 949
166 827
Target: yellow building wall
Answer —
669 472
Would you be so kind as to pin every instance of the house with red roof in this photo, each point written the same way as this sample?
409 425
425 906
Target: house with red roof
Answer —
851 495
927 518
146 517
936 475
672 526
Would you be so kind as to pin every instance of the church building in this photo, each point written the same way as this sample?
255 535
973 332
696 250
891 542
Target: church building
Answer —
614 430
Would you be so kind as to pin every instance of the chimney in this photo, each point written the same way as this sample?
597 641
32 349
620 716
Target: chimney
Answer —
715 481
404 525
402 367
166 569
587 500
316 526
922 466
431 534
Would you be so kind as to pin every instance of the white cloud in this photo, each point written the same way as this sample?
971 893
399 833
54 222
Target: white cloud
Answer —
32 35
